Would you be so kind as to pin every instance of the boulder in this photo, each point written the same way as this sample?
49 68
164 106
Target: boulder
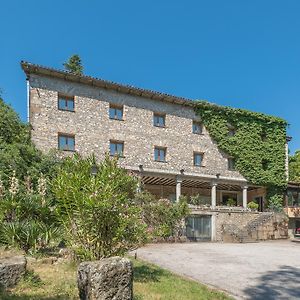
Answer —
12 269
106 279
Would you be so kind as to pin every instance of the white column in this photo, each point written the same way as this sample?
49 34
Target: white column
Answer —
139 185
214 194
245 200
178 187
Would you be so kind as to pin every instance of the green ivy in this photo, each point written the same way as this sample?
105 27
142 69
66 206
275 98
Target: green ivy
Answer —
258 142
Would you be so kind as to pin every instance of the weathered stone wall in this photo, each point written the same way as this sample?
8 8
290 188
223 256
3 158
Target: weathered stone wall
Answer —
238 219
93 129
251 225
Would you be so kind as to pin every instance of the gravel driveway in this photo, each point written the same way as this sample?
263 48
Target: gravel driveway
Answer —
265 270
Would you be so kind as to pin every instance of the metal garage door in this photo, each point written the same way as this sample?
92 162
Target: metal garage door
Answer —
198 228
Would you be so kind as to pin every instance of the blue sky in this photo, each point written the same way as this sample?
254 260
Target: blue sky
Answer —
244 54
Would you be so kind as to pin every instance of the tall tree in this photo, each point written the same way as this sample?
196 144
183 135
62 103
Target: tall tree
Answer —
74 65
294 167
17 152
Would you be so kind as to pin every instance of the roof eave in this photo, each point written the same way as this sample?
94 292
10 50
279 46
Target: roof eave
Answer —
96 82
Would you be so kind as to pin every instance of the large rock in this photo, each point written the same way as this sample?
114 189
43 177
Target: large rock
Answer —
107 279
11 270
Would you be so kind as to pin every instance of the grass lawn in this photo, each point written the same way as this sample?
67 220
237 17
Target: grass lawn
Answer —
58 281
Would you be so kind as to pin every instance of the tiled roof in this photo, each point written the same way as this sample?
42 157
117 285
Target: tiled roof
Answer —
30 68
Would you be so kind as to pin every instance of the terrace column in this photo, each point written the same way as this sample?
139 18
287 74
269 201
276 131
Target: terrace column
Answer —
214 194
245 200
178 187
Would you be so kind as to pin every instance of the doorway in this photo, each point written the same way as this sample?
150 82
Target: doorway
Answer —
198 228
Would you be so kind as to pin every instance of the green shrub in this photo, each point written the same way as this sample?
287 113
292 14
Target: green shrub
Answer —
162 217
253 205
231 202
275 203
198 200
28 219
98 212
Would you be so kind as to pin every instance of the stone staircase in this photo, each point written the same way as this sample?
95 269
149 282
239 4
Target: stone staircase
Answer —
248 233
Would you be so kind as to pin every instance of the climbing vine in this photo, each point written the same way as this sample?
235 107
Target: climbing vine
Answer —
256 142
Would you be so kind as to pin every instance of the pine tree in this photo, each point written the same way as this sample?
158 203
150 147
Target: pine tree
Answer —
74 65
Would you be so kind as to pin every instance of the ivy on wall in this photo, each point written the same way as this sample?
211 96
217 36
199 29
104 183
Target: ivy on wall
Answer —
256 142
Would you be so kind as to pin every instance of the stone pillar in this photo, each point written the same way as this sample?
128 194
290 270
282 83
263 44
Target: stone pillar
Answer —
139 185
245 200
213 228
178 187
214 194
109 278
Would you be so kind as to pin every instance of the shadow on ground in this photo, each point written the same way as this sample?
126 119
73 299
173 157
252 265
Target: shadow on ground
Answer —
8 296
145 273
281 284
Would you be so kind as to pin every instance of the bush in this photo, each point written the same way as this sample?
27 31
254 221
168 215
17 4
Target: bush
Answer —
98 212
162 217
28 220
231 202
275 203
198 200
253 205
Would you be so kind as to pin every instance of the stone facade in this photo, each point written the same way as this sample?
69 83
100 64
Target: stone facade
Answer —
93 129
241 226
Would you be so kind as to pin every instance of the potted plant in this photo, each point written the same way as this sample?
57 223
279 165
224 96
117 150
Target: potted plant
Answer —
253 206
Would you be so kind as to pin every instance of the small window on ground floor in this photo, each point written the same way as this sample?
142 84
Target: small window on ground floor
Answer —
66 142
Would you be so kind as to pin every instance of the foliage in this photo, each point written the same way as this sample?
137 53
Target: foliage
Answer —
98 212
17 152
74 65
294 167
58 281
27 218
275 203
257 144
231 202
162 217
198 200
253 205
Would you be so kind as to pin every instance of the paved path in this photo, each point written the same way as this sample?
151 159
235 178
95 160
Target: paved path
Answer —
262 271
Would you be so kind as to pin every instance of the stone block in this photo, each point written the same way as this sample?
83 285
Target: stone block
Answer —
107 279
12 269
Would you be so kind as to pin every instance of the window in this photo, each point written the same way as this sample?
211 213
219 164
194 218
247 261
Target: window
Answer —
159 120
197 127
265 164
116 148
116 112
231 130
66 142
66 103
263 136
231 164
160 154
198 159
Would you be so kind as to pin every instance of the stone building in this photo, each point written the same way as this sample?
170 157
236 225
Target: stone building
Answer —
156 135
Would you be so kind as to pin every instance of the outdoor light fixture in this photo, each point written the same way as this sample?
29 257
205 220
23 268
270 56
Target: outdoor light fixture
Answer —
218 175
94 170
140 168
